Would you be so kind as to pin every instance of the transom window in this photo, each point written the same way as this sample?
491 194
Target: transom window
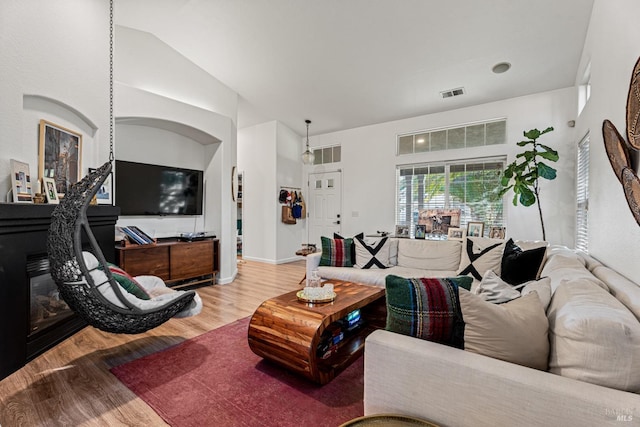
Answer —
326 155
472 186
471 135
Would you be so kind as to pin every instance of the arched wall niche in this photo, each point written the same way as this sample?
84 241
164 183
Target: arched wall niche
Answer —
187 131
61 110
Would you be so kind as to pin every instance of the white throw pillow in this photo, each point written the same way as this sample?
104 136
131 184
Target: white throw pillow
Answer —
480 254
375 255
516 331
493 289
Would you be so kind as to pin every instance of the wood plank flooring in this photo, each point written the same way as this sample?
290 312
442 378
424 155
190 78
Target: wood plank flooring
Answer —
70 385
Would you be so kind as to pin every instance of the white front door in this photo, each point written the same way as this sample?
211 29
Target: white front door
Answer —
324 205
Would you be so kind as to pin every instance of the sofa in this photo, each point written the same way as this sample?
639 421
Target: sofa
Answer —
592 371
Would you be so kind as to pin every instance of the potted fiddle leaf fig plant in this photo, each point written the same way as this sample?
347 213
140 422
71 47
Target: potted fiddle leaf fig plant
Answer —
523 174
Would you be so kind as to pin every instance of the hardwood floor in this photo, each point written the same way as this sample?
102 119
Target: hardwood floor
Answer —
70 385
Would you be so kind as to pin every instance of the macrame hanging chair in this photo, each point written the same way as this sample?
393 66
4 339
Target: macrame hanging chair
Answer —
91 291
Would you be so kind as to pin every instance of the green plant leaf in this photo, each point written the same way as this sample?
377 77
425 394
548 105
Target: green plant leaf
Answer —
527 198
549 129
546 172
533 134
523 143
504 190
553 154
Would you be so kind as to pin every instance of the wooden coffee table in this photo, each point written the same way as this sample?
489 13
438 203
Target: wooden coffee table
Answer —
288 331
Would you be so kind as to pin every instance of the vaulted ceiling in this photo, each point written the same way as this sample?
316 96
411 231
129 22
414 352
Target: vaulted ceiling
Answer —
351 63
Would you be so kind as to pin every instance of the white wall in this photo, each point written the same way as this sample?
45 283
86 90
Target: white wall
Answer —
257 160
269 157
51 69
157 86
288 173
55 66
612 47
369 163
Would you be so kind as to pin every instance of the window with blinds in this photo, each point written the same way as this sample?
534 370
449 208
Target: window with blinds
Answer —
472 186
582 196
472 135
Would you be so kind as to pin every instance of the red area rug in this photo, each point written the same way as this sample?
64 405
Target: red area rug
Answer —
216 380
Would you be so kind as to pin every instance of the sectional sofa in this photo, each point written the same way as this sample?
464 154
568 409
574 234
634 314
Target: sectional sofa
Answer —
591 376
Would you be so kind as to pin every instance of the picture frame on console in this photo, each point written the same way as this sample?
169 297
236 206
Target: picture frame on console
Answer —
49 190
59 155
104 196
402 231
455 233
421 231
497 232
475 228
21 182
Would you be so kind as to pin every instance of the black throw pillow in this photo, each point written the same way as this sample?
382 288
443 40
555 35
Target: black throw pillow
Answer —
353 246
520 266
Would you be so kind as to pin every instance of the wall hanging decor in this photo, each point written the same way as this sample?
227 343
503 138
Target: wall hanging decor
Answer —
59 154
619 151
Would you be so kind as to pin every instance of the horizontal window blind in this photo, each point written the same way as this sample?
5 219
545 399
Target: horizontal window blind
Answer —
582 196
472 186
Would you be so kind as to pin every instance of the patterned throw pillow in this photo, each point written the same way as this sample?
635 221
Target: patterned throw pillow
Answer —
128 282
336 252
353 246
426 308
372 256
519 266
480 254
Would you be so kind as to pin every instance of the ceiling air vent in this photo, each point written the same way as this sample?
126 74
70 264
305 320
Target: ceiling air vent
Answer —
452 92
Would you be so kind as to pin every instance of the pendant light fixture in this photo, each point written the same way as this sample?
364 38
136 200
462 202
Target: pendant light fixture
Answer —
307 156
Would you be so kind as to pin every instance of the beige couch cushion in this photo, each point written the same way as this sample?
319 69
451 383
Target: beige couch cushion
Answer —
515 331
593 336
568 266
429 254
623 289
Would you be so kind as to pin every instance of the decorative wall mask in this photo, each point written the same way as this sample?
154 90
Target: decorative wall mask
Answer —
618 150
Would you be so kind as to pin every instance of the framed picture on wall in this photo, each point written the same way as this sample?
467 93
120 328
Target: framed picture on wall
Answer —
21 182
104 196
49 190
59 155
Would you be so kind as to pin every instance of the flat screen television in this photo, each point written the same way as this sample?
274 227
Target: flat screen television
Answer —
145 189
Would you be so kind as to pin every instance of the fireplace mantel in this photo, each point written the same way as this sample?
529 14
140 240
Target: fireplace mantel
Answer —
23 234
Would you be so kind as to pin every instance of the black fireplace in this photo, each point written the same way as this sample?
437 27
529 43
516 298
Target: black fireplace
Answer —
33 317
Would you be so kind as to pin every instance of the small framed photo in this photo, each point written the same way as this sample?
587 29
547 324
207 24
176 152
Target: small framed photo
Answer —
497 232
59 154
455 233
21 182
104 196
49 190
402 231
421 231
475 229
